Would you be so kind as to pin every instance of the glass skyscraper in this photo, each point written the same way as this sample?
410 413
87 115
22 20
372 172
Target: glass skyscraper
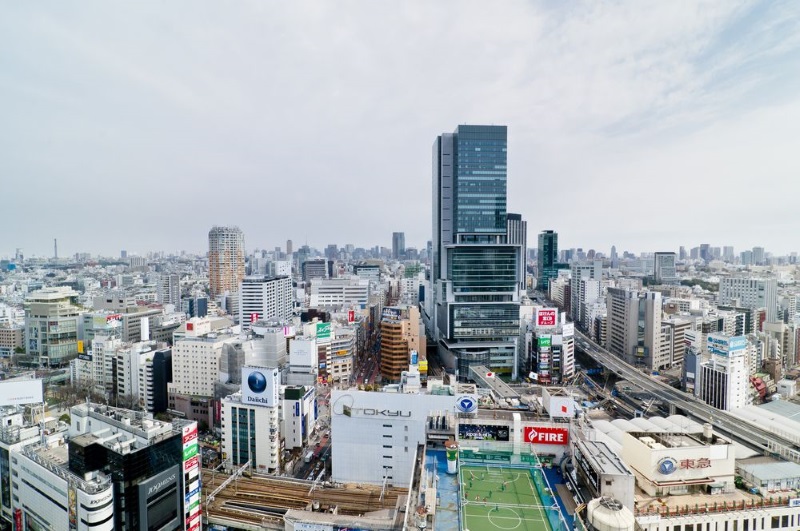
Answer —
475 274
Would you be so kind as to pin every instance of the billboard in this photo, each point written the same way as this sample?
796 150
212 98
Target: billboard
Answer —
260 386
568 330
546 317
414 357
323 330
423 366
723 345
544 341
483 432
191 477
351 316
18 392
545 435
391 313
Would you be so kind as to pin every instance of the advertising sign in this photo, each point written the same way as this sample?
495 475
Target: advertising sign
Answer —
423 366
483 432
85 357
80 347
568 330
18 392
323 330
260 385
253 317
544 341
191 470
72 498
546 317
414 357
391 313
546 435
351 316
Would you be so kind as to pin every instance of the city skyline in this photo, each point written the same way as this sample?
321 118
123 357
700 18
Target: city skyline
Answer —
123 118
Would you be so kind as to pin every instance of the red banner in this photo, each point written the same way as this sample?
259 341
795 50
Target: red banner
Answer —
542 435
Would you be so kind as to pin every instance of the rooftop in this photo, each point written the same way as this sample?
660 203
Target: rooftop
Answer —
767 468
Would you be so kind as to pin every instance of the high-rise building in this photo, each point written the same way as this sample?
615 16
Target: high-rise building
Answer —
400 334
634 327
759 257
518 235
51 327
264 298
581 271
727 253
169 289
289 248
750 293
548 256
475 311
664 268
398 245
225 259
682 253
725 377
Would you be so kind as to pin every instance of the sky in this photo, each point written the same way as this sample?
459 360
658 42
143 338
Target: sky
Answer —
643 124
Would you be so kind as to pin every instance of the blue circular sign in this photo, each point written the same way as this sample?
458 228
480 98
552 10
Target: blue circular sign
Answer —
667 466
466 404
257 382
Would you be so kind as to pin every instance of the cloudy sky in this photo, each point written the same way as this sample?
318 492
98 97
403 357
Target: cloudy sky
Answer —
649 125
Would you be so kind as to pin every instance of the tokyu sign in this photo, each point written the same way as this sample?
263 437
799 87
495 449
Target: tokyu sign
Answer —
545 435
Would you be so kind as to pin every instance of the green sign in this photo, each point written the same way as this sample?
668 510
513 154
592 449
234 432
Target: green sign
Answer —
323 330
189 452
544 341
477 456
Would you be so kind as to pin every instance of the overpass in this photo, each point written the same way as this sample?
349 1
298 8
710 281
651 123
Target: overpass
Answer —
746 433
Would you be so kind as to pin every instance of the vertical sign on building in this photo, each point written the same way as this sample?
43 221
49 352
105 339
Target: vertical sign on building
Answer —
351 316
72 501
191 478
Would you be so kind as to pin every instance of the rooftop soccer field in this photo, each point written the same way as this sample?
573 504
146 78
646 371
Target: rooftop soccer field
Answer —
501 498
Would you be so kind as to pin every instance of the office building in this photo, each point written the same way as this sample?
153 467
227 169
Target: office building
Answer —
664 268
634 327
400 335
518 235
315 268
759 256
750 293
547 268
251 421
728 254
398 245
475 308
582 271
265 298
51 327
725 376
11 339
339 292
225 260
549 347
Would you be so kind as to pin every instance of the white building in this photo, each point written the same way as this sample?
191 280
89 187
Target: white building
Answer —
725 378
339 292
750 293
376 435
251 421
48 496
299 415
265 298
196 361
581 271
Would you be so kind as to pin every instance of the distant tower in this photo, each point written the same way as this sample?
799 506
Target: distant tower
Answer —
55 248
225 259
547 258
288 247
398 245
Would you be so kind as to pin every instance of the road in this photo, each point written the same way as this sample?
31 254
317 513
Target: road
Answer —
723 422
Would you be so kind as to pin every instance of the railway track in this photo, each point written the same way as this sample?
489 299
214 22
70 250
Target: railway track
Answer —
255 500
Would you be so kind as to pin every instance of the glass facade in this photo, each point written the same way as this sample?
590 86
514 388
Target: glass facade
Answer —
484 322
480 179
482 269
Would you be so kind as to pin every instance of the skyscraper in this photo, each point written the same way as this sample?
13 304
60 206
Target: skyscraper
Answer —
225 259
475 311
398 245
547 258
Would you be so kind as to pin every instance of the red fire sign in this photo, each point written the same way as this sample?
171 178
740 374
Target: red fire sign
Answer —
542 435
